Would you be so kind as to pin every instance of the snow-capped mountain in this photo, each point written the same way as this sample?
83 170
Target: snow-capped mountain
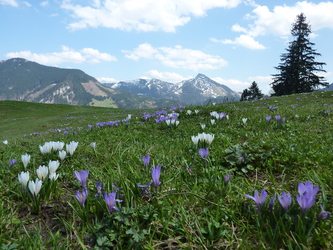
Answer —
152 88
197 90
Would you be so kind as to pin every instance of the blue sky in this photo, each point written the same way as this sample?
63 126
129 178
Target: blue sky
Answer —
234 42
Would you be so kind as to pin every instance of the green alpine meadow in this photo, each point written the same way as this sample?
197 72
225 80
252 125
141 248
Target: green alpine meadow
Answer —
237 175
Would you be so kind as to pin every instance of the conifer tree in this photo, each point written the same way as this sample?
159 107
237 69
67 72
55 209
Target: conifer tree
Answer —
298 66
251 93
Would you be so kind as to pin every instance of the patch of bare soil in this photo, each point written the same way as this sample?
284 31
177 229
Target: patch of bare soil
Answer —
93 89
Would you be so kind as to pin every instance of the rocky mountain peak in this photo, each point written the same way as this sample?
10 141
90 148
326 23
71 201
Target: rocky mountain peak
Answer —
192 91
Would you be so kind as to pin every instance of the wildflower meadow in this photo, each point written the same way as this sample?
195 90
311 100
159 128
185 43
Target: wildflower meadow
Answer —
239 175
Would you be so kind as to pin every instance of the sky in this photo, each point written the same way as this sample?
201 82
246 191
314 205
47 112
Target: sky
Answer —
233 42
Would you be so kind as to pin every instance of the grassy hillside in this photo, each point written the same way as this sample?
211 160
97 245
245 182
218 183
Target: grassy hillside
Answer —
270 146
25 118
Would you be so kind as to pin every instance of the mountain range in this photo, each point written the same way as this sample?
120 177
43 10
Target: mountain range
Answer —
23 80
197 90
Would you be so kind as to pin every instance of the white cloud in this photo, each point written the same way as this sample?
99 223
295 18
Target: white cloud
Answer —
144 50
95 56
66 55
27 4
177 57
263 83
238 86
9 2
260 79
44 3
250 2
106 80
278 22
143 15
243 40
233 84
167 76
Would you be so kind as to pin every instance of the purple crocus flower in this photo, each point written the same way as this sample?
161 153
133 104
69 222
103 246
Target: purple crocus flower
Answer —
222 115
12 162
82 177
226 178
145 159
145 188
277 118
306 197
308 188
285 200
110 200
99 187
147 116
272 107
203 152
323 214
271 203
156 172
268 118
81 197
305 201
100 124
259 199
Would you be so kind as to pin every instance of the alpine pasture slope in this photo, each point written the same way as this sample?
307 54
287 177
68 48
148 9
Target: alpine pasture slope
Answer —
106 194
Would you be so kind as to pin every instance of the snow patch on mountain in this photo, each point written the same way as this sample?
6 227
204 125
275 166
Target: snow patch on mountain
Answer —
192 91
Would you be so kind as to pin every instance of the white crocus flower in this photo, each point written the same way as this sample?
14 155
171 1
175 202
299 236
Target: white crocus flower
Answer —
213 113
208 138
203 126
62 154
53 176
57 145
168 122
189 112
25 159
244 121
71 147
53 166
46 148
5 142
177 123
35 186
23 178
196 111
93 145
212 121
195 140
42 172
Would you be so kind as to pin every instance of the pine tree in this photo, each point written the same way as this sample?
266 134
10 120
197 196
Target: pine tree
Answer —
252 93
245 95
298 66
